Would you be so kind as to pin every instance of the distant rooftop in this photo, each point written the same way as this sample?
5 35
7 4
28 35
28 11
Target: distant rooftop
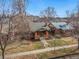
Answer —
62 25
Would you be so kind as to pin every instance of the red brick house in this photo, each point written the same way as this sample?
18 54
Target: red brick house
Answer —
38 30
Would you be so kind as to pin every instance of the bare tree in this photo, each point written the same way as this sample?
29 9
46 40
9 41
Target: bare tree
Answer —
19 6
74 19
4 33
77 9
68 13
48 13
4 37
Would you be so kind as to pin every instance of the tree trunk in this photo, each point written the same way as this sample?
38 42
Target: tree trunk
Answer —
78 43
3 54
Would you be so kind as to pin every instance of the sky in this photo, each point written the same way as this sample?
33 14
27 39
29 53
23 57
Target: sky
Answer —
35 6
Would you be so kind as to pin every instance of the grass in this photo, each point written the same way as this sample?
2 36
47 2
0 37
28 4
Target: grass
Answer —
24 46
42 56
46 55
54 53
56 43
23 57
61 42
37 45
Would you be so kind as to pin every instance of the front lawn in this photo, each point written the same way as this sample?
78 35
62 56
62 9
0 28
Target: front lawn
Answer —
61 42
56 53
23 46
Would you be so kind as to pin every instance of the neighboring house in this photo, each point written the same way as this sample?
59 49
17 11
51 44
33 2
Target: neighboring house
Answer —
62 25
62 28
57 19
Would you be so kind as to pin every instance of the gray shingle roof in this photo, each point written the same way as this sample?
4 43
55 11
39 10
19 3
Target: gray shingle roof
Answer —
39 26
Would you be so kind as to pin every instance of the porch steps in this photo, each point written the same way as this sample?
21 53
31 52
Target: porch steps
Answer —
44 42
